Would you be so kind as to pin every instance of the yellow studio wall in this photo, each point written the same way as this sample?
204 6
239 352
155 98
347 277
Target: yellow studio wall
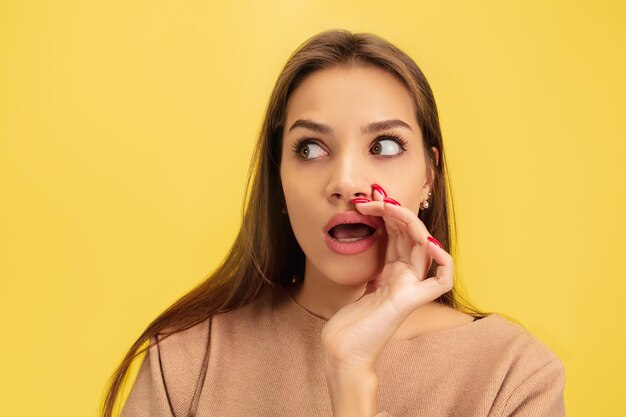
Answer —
126 128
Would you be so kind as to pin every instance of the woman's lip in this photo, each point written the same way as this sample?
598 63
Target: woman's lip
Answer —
350 248
352 217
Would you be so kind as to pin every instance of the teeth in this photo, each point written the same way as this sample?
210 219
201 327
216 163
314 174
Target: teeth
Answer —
353 239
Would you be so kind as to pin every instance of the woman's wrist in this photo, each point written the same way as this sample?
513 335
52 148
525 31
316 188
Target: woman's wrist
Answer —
352 391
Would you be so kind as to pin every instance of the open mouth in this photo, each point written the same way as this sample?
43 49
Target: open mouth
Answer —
351 232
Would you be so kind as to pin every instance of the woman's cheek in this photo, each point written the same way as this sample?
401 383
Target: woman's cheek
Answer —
402 183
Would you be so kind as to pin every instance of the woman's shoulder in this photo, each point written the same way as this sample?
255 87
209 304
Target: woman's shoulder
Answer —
531 373
192 341
177 359
189 342
494 339
493 357
169 373
503 350
520 349
513 338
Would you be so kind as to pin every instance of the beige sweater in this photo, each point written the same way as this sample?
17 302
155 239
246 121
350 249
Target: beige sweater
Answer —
265 359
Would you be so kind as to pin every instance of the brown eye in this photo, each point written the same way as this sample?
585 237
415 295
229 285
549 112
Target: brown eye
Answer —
310 151
386 147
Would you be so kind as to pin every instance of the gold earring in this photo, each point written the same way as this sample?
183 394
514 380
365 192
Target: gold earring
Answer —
424 204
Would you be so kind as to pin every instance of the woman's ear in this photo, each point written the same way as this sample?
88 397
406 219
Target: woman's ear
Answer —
431 178
436 152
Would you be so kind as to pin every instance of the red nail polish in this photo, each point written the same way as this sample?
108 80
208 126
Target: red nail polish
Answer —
360 200
435 241
391 201
379 189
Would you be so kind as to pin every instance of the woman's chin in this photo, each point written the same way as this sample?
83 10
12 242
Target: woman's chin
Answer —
353 277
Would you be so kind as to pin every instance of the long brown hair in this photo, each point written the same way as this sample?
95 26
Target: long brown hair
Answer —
265 252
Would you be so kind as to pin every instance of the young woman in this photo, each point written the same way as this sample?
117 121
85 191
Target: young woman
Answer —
337 297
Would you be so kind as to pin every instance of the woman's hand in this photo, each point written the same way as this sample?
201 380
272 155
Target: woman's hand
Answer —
355 335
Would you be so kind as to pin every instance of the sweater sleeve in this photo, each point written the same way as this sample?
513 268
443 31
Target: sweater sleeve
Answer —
539 395
148 397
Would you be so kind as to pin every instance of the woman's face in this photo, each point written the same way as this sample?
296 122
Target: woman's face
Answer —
346 149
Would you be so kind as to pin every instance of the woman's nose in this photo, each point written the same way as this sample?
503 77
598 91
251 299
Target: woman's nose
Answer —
348 180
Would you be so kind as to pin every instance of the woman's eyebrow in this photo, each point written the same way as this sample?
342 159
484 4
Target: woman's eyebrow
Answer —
370 128
311 125
384 125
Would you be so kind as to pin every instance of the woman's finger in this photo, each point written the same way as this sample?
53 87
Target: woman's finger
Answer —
445 265
393 223
393 227
371 208
420 262
414 226
378 208
377 195
402 217
433 287
398 227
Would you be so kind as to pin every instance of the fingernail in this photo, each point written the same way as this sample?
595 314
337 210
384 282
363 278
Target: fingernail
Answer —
379 189
360 200
391 201
435 241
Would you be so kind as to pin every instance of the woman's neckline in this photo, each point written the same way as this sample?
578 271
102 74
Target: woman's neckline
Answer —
303 312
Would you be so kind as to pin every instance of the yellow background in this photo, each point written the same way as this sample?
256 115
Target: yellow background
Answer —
126 129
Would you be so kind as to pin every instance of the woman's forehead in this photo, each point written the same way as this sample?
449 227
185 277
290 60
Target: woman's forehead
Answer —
358 95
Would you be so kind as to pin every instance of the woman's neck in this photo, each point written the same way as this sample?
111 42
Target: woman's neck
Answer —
323 297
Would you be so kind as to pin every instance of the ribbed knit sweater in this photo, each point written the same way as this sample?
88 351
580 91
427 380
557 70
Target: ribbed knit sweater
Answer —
266 359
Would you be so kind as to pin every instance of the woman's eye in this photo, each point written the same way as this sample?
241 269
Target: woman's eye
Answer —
310 151
386 147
